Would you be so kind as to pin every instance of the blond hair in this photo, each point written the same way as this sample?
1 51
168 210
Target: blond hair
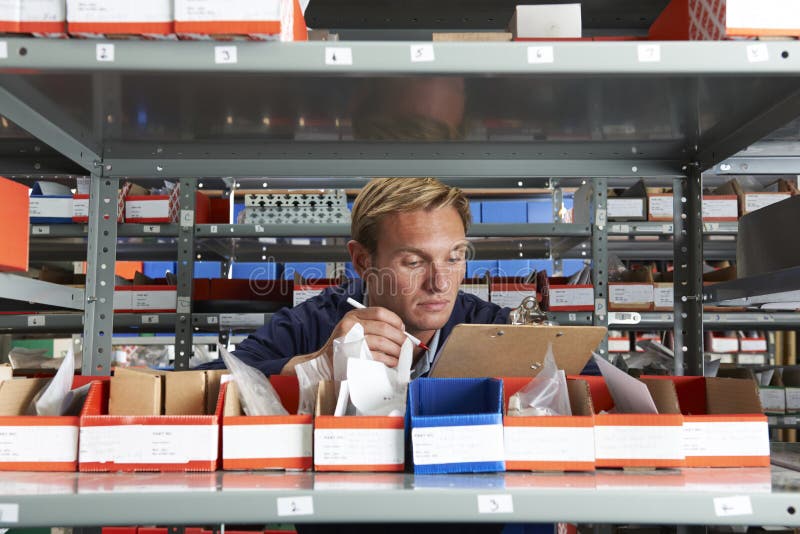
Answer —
382 196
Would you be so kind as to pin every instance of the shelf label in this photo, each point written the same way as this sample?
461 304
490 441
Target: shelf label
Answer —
187 218
241 319
295 506
495 504
36 320
213 320
104 52
541 54
624 318
9 513
258 229
214 229
3 50
225 54
421 53
789 420
337 55
40 230
151 229
666 229
149 319
573 317
649 53
738 505
757 53
600 217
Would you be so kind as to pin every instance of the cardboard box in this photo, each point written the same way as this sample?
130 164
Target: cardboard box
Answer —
139 391
720 208
747 343
792 399
645 336
152 298
50 203
630 296
548 443
30 442
558 21
143 208
303 292
751 202
41 18
148 18
751 358
80 205
476 287
618 341
457 425
773 399
509 292
144 443
557 295
626 209
663 296
723 423
721 342
6 371
14 216
269 20
266 442
355 443
660 207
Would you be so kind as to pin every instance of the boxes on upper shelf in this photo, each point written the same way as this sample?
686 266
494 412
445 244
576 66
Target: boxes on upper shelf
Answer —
14 216
723 342
117 18
145 298
509 292
630 205
504 211
50 203
143 207
752 341
660 207
41 18
557 21
773 399
633 293
619 341
559 295
268 20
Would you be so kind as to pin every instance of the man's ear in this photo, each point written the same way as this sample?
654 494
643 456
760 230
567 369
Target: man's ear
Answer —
360 256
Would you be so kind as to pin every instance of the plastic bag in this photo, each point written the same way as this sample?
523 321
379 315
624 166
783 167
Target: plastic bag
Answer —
351 345
544 395
51 399
309 375
256 394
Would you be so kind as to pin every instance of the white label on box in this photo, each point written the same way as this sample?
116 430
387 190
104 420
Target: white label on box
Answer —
549 444
40 230
147 209
43 11
36 320
756 201
757 53
724 344
123 300
149 319
753 344
119 11
3 50
772 399
722 208
495 504
457 444
479 290
154 300
571 296
541 54
648 53
227 10
149 444
9 513
725 439
660 207
510 299
664 297
752 359
295 506
151 229
225 54
727 506
765 14
630 293
266 441
338 55
359 446
50 207
422 53
792 399
301 295
625 207
104 52
241 319
80 207
38 444
638 442
619 344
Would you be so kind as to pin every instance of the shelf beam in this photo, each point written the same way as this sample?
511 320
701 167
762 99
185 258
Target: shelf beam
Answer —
29 290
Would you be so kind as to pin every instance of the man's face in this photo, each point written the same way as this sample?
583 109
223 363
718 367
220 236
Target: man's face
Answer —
418 266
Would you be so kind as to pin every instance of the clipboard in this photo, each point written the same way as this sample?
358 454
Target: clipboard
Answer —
493 350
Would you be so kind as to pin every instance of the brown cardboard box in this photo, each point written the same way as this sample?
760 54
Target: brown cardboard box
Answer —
185 393
6 371
16 395
213 380
136 392
147 392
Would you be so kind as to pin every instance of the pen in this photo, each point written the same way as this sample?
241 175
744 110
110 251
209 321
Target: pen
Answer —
354 303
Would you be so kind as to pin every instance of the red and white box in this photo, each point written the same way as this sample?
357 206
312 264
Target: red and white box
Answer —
478 288
266 20
630 296
303 292
266 442
755 201
550 443
100 18
354 442
645 336
660 207
618 341
508 292
663 296
722 342
80 205
720 208
558 295
153 208
752 343
42 18
144 443
137 299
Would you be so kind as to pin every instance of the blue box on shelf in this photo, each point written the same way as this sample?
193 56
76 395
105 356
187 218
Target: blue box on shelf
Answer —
457 425
475 208
237 209
207 269
158 269
540 210
520 268
265 270
571 267
309 271
504 211
479 268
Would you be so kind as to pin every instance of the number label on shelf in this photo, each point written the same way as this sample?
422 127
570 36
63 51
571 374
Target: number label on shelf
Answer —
258 229
667 229
152 229
649 53
213 320
36 320
573 317
40 230
495 504
421 53
337 55
3 50
737 505
104 52
225 54
149 319
187 218
288 506
757 53
9 513
541 54
214 229
624 318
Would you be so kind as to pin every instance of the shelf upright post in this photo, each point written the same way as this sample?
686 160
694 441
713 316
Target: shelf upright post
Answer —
101 253
183 323
600 259
558 198
688 277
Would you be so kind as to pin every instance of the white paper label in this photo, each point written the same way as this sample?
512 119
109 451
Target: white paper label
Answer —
40 230
630 294
479 290
792 399
772 399
727 506
549 444
724 344
149 319
338 56
495 504
104 52
154 300
752 359
639 442
123 300
38 444
3 50
147 209
540 54
358 446
757 53
625 207
36 320
753 345
50 207
787 420
756 201
295 506
43 11
660 207
151 229
510 299
9 513
119 11
219 11
80 207
457 444
619 344
150 444
225 54
266 441
664 297
241 319
301 295
571 296
422 53
725 439
648 53
722 208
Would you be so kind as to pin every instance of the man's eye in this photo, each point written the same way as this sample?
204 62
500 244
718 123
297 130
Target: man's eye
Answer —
413 264
456 260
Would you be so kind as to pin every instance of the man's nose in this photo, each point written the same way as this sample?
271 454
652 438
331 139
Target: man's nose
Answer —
438 277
